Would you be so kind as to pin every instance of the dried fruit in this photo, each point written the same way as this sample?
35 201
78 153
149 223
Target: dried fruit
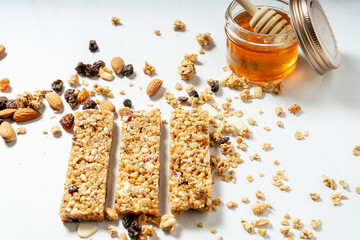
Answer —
128 70
7 132
93 47
71 98
25 114
134 230
2 50
4 84
223 140
83 95
117 64
154 86
193 93
88 69
67 121
3 102
73 189
57 85
106 74
128 220
7 113
54 100
107 105
80 68
44 92
183 100
11 104
89 104
214 86
127 103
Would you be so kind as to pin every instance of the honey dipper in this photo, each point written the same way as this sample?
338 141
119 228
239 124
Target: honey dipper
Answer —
265 20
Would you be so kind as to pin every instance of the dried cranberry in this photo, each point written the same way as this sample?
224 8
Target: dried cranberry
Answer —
214 86
12 104
128 220
93 46
128 70
67 121
223 140
127 103
3 101
193 93
89 104
57 85
73 189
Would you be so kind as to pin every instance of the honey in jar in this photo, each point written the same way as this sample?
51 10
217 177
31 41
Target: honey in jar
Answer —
259 57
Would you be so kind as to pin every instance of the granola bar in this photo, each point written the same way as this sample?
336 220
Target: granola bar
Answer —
189 168
87 174
139 165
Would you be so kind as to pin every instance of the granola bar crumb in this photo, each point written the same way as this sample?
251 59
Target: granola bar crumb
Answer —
170 99
261 111
266 128
285 230
200 224
178 86
266 146
186 69
102 90
268 86
148 69
112 230
299 136
251 121
259 194
201 51
213 230
262 232
356 150
306 234
343 184
315 196
294 108
115 20
245 199
286 216
110 214
157 32
192 57
296 224
215 203
284 222
85 83
260 207
219 238
279 88
122 92
276 162
231 204
74 79
204 39
250 178
261 174
179 25
261 222
284 188
147 230
249 227
150 105
279 124
45 132
55 130
279 111
189 88
131 84
315 223
329 182
31 100
357 189
245 95
254 157
258 92
20 130
168 222
123 236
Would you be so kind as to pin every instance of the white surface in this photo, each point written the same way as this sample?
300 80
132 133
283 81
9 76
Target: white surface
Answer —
44 42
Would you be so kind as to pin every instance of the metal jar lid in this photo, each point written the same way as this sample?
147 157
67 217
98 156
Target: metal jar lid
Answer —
314 35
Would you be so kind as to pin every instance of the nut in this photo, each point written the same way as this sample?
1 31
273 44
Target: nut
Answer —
153 86
117 64
54 100
7 113
7 132
2 50
25 114
106 74
107 105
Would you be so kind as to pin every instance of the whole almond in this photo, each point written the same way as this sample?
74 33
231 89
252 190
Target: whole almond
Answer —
117 64
154 86
25 114
54 100
2 50
7 132
107 105
7 113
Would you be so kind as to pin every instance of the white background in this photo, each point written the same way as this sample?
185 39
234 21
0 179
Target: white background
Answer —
44 41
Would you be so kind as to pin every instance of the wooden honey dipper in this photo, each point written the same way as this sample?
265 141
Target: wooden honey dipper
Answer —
265 20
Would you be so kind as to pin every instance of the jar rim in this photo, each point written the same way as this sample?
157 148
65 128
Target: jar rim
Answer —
229 18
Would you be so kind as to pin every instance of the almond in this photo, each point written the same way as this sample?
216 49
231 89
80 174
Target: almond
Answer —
2 50
107 105
25 114
153 86
7 132
54 100
7 113
117 64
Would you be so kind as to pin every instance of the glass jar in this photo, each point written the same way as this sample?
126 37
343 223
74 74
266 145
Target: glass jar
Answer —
259 57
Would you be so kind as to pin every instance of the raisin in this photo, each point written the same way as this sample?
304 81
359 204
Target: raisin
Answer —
4 84
67 121
128 220
127 103
223 140
57 85
193 93
73 189
128 70
44 92
80 68
183 100
1 121
69 93
97 65
93 47
214 86
83 95
134 230
3 101
12 104
89 104
71 98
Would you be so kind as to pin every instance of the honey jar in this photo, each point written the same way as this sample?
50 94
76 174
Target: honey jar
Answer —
263 57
